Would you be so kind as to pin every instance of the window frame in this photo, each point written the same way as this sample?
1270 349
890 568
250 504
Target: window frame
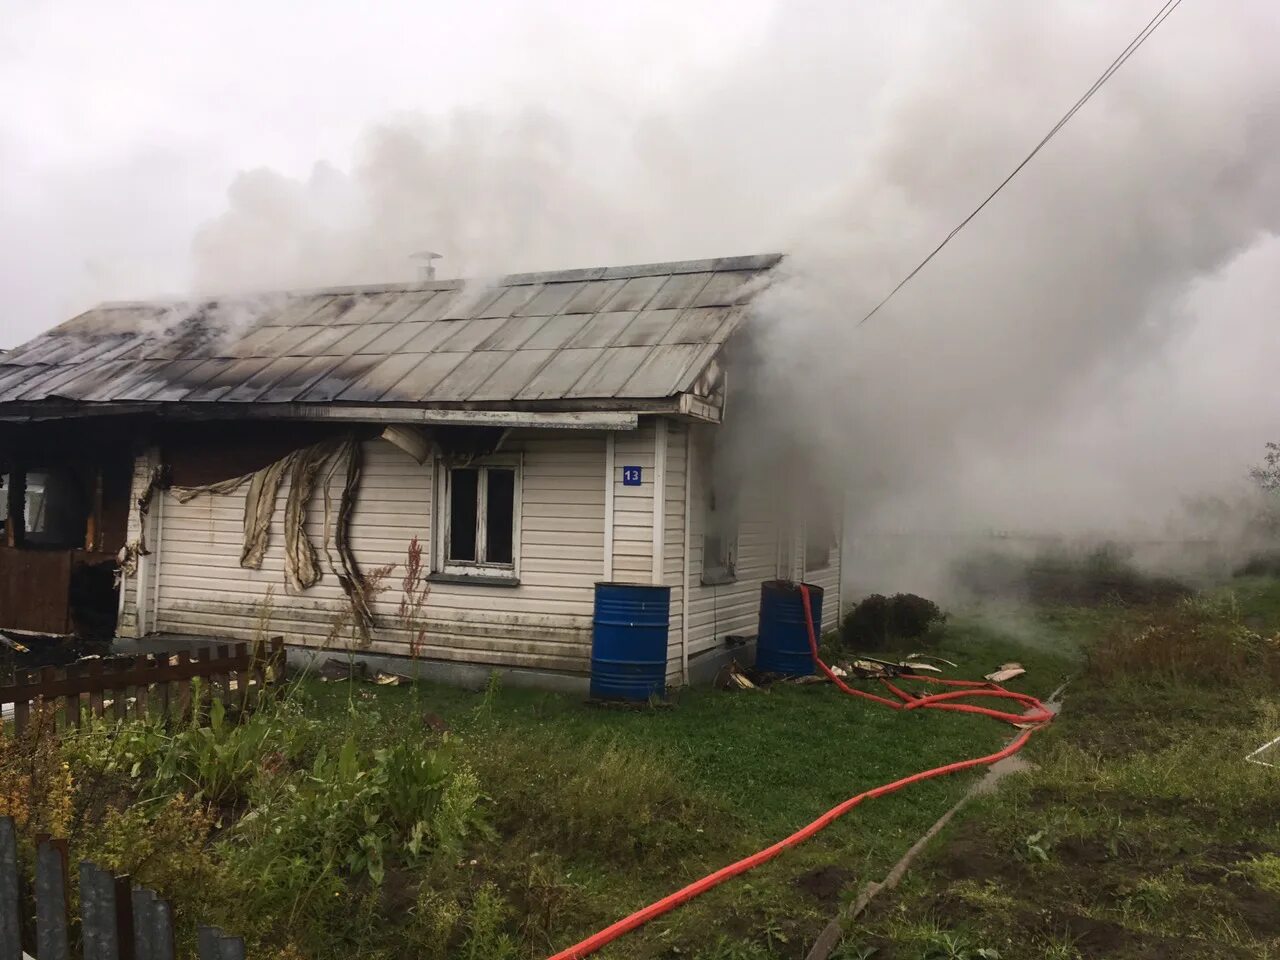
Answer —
833 544
479 569
724 568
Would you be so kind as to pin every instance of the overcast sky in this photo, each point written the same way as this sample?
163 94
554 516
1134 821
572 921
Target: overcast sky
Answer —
1110 317
123 124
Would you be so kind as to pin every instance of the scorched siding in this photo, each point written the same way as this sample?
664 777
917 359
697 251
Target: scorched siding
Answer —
544 622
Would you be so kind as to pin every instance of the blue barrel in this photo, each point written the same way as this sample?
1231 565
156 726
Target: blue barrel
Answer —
629 641
783 643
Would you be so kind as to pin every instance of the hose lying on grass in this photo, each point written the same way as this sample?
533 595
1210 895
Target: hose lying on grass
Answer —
1036 716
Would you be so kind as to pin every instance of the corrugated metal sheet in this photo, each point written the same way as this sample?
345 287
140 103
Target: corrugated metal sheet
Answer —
639 332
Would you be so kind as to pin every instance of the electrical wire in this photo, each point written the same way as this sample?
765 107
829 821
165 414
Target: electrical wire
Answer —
1152 25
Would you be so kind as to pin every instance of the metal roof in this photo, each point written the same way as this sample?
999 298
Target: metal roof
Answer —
622 333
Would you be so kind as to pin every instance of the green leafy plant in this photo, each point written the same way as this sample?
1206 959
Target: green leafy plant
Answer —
950 946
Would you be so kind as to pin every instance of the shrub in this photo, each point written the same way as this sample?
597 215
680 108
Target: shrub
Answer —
879 621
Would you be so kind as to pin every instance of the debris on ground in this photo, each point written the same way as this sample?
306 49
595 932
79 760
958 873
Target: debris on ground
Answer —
922 656
1007 671
12 644
384 679
733 677
1254 758
337 669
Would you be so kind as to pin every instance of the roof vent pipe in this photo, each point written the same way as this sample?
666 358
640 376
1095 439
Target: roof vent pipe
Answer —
427 269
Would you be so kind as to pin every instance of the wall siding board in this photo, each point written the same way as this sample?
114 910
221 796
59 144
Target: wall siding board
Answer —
545 622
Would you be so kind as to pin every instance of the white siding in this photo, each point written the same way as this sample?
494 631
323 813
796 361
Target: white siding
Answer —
128 625
633 508
544 622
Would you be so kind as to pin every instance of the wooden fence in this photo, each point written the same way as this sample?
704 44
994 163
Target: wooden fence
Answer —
151 685
118 921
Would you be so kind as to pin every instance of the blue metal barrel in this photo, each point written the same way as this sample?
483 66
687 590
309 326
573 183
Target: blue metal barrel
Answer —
783 643
629 641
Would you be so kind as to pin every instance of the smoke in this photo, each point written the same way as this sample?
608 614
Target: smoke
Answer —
1089 355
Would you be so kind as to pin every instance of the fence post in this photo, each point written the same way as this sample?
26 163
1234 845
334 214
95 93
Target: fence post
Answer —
10 894
162 930
100 914
51 900
22 709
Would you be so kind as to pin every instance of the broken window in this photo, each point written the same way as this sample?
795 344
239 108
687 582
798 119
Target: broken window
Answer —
719 539
480 532
819 540
54 507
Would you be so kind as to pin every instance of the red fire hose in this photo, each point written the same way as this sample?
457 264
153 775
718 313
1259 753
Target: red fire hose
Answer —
1035 717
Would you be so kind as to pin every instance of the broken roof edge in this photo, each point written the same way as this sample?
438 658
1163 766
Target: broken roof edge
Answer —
759 261
682 405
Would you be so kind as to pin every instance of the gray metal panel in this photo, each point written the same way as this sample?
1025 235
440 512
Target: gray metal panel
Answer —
91 378
609 373
419 381
129 375
11 375
381 378
648 328
296 381
292 341
699 325
404 304
560 373
256 343
551 299
601 329
165 383
635 293
395 338
678 291
99 930
511 301
331 385
434 308
297 309
223 376
510 378
593 296
513 333
48 378
429 336
723 289
469 334
352 310
321 345
466 377
471 301
29 352
662 371
258 383
358 338
660 269
557 331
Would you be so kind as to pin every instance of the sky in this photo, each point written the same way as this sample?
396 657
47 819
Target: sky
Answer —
1092 349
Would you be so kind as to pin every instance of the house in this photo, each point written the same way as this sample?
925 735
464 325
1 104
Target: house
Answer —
438 470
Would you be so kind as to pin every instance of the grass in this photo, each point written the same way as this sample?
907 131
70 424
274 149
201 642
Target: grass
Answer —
1141 832
543 819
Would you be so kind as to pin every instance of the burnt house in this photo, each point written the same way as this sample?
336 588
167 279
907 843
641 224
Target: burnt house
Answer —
440 470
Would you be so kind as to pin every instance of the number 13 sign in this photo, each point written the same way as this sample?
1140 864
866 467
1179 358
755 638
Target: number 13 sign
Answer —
631 476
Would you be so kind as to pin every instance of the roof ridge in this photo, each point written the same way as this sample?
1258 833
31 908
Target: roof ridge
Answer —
761 261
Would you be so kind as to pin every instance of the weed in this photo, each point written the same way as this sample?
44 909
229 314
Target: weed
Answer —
1035 847
951 946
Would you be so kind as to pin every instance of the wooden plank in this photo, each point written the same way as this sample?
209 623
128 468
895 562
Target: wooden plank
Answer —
95 673
21 706
164 690
223 676
124 917
71 699
120 690
10 893
53 684
52 902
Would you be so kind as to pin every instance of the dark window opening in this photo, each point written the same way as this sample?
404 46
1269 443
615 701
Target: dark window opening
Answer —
500 516
464 498
482 517
819 541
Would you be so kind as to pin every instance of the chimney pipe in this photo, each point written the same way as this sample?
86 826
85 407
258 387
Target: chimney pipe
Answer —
426 270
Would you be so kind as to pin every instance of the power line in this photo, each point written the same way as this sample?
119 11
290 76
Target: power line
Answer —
1152 25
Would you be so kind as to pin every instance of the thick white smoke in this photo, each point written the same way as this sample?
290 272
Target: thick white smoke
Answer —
1089 353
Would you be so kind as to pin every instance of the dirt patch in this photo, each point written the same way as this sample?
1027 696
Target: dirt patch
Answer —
972 856
1259 909
825 884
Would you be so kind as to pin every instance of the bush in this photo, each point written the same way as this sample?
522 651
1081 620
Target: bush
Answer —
880 621
1101 575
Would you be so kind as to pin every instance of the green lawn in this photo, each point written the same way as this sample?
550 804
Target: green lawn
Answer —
1142 832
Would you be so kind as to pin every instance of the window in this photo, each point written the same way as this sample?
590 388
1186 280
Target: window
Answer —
819 541
481 518
719 540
